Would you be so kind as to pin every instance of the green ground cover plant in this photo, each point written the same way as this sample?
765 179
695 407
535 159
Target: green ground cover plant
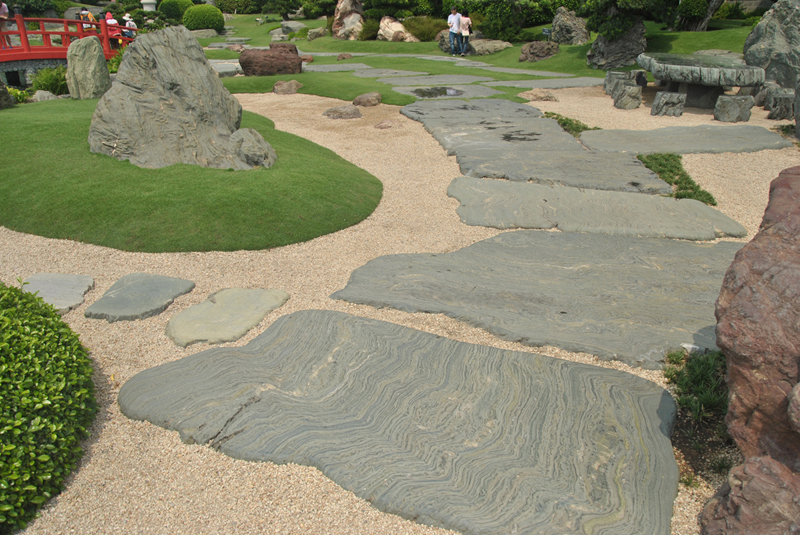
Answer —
47 404
51 79
669 168
572 126
62 190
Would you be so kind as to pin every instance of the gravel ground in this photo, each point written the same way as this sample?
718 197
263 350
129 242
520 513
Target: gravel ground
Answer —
138 478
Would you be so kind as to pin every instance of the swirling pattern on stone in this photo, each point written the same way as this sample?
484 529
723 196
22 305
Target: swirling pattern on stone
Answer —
702 70
616 297
449 434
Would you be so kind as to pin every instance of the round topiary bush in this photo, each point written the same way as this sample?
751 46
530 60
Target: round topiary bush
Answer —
47 404
204 17
174 9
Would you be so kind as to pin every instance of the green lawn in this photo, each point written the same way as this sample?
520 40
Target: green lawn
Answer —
55 187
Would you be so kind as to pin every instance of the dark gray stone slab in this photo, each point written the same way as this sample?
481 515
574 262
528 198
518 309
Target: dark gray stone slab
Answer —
511 70
138 296
225 316
447 92
617 297
335 67
701 70
686 139
506 205
558 83
380 73
63 291
435 79
466 437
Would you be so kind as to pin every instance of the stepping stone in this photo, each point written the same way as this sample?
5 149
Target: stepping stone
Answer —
138 296
335 67
449 434
511 70
237 40
449 91
225 316
226 70
63 291
435 80
580 81
218 45
379 73
686 139
503 139
505 205
617 297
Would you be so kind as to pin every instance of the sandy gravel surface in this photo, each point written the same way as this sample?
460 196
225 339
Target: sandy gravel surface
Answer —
138 478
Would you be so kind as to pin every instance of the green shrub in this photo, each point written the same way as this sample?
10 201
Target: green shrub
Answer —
18 95
369 30
204 17
314 9
424 28
730 11
752 21
693 9
403 13
113 63
174 9
47 404
239 6
53 80
31 8
61 6
302 33
700 385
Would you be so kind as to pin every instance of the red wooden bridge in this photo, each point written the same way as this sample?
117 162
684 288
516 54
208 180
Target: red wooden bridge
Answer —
110 36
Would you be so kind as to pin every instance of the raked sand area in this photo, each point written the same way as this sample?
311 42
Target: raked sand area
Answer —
135 477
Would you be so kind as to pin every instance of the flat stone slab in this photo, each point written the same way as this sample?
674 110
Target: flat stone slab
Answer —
225 316
445 433
558 83
138 296
335 67
505 205
435 80
617 297
511 70
709 70
452 91
62 290
380 73
226 70
502 139
686 139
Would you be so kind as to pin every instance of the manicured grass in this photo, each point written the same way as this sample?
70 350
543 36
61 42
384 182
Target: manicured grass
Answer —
669 168
55 187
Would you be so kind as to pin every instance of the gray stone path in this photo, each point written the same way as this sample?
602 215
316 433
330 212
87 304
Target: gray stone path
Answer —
559 83
686 139
617 297
434 79
452 91
138 296
225 316
505 205
63 291
466 437
381 73
335 67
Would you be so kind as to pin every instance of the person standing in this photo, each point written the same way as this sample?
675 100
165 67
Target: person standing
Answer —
454 21
129 24
466 29
5 40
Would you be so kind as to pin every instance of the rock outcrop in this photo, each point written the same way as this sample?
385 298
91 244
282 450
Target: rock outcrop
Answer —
392 30
774 44
316 33
670 104
368 99
87 70
538 50
568 28
348 19
286 88
276 60
484 47
6 100
168 106
620 52
733 109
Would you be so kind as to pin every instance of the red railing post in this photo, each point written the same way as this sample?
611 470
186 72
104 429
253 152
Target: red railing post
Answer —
104 36
23 31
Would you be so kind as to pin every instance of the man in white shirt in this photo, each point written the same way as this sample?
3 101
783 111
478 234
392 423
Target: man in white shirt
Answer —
454 21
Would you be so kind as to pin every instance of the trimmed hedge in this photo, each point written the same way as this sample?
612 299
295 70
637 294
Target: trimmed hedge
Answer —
174 9
46 404
204 17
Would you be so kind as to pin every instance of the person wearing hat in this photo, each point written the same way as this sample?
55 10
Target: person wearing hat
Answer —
129 24
454 21
86 16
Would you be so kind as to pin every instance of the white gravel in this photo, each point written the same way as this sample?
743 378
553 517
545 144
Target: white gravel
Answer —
138 478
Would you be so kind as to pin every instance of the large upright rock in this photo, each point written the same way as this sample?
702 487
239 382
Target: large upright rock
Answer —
270 62
568 28
774 44
538 50
393 30
620 52
87 70
168 106
348 19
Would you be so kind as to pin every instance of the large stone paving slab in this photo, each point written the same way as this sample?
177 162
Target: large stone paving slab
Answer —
138 296
560 83
381 73
435 79
450 434
686 139
617 297
450 91
502 139
335 67
506 205
62 290
225 316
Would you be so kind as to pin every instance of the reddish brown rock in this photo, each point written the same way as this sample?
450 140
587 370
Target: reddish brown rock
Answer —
269 62
288 48
235 48
307 59
538 50
761 497
341 57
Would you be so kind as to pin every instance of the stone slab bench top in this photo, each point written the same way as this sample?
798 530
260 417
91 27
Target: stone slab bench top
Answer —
701 70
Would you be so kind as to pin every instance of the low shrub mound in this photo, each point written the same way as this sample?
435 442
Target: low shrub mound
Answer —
51 79
174 9
424 28
369 30
204 17
47 404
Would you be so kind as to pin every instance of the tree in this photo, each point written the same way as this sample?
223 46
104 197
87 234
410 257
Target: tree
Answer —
282 7
613 18
696 14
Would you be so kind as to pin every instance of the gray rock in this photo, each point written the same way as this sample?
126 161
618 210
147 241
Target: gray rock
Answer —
667 103
286 88
538 50
507 205
436 79
627 96
638 77
635 299
347 19
367 99
568 28
621 52
132 121
794 408
384 73
237 40
87 70
138 296
701 70
226 70
250 148
6 100
782 105
348 111
291 26
686 139
774 44
42 95
63 291
454 435
225 316
484 47
555 83
316 33
771 92
730 109
278 35
204 34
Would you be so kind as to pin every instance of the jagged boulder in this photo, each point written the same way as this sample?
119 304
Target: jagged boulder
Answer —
780 104
348 111
87 70
621 52
733 109
286 88
316 33
538 50
568 28
392 30
667 103
627 96
774 44
6 100
348 19
484 47
276 60
168 106
367 100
